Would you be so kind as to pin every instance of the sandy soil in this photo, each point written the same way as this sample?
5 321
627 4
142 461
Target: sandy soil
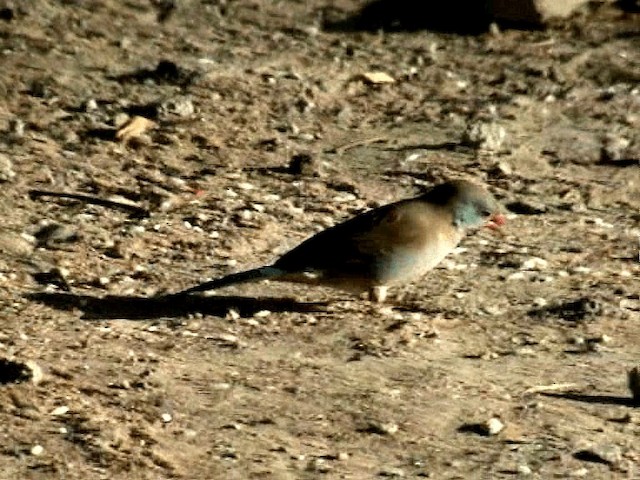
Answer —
508 361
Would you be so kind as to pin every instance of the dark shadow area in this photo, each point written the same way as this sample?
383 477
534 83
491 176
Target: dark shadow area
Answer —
623 162
629 6
165 73
598 399
475 429
582 309
105 134
447 146
523 208
468 17
13 372
113 307
148 110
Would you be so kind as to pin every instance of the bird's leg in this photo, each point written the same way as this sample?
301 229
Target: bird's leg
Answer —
378 293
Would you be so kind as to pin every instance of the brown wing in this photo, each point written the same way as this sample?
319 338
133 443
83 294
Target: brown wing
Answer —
357 246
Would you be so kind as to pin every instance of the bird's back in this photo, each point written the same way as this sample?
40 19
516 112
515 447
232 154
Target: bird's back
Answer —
392 243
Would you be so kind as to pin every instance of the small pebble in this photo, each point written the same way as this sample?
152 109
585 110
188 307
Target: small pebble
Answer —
37 450
524 470
534 263
485 136
36 372
90 105
614 148
6 169
540 302
60 410
494 426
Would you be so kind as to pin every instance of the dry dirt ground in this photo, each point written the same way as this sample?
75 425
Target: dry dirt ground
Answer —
266 130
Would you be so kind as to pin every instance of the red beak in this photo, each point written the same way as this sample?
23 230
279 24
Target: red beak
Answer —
496 221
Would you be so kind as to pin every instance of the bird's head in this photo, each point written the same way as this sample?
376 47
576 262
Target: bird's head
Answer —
470 204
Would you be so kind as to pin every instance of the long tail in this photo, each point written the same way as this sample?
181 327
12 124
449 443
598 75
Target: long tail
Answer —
261 273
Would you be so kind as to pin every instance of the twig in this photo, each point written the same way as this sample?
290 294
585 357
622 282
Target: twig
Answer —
551 388
358 143
127 207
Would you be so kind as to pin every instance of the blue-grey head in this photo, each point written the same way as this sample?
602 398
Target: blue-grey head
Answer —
470 204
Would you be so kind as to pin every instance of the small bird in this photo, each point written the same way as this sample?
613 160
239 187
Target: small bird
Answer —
386 246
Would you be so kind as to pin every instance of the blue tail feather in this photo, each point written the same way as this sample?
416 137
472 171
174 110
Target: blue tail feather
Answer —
261 273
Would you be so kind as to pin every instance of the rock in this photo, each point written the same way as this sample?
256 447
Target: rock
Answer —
180 106
491 427
614 148
533 12
494 426
91 105
53 234
37 450
61 410
15 244
524 470
534 263
36 372
16 128
485 136
6 169
580 310
600 453
303 164
392 472
380 428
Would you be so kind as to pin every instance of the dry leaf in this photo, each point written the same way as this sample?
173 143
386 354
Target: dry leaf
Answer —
135 127
377 78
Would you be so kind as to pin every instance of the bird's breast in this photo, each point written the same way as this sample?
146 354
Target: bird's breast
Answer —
407 262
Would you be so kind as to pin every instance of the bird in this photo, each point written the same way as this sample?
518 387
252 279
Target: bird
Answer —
389 245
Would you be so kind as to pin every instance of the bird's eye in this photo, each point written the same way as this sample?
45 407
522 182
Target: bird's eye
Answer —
485 213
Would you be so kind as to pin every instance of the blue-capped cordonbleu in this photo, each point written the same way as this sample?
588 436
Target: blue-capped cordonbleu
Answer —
386 246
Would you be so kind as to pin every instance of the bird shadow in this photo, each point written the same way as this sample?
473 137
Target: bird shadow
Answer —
113 307
597 399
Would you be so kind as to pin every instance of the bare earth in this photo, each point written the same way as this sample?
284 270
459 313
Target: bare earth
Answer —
266 131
